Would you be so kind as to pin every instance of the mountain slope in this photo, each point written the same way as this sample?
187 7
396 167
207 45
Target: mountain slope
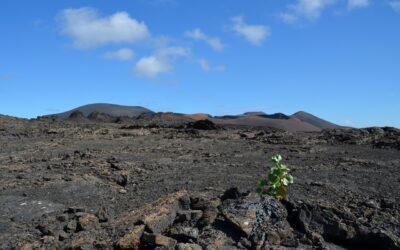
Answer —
313 120
108 109
291 124
300 121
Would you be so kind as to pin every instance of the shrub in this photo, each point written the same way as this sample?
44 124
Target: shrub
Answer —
277 182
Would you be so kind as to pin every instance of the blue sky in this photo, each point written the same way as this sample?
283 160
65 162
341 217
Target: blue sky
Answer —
337 59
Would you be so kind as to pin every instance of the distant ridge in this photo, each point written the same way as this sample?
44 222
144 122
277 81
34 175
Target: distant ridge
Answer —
105 108
313 120
254 113
104 112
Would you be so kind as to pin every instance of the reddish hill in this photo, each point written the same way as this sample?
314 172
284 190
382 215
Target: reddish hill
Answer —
291 124
313 120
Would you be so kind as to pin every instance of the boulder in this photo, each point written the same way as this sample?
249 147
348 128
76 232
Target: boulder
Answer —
87 222
335 224
159 215
258 218
191 216
131 240
158 240
184 234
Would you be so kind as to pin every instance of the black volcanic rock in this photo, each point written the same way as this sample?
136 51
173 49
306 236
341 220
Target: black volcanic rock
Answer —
201 124
56 176
162 119
386 137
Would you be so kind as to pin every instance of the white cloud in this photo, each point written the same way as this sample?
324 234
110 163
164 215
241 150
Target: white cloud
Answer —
307 9
161 62
255 34
395 6
151 67
121 54
88 29
355 4
198 35
205 65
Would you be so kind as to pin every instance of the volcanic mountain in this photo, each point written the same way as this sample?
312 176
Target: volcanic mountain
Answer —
105 108
300 121
101 112
313 120
289 124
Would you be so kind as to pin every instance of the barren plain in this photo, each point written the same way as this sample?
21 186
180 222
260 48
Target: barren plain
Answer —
87 185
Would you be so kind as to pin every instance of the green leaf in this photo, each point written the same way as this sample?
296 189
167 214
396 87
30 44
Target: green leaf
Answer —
276 171
290 178
277 158
262 183
284 167
273 178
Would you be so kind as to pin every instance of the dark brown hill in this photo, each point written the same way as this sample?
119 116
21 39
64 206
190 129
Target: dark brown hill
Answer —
108 109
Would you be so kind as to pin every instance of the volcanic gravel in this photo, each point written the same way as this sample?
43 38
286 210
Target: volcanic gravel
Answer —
52 172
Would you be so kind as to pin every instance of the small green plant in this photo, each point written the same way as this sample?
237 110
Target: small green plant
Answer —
277 182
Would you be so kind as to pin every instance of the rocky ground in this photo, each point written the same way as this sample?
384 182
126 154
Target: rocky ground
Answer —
85 185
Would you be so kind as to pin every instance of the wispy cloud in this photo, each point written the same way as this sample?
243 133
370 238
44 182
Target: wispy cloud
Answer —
198 35
161 3
173 52
121 54
160 62
356 4
288 17
395 6
88 29
305 9
348 123
206 66
254 34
